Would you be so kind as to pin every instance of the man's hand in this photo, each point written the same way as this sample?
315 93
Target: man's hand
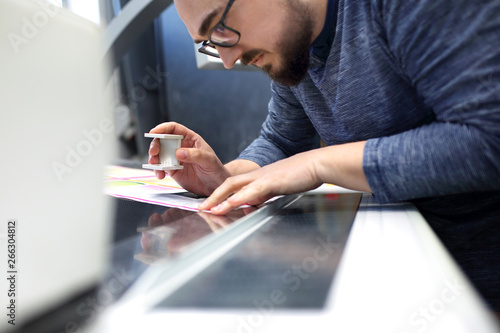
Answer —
292 175
342 165
203 171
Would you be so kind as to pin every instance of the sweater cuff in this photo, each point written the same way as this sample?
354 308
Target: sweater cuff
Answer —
379 184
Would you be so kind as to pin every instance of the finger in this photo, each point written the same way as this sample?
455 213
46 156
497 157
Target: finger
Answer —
182 155
171 128
160 174
155 220
228 187
252 194
154 148
230 204
154 159
221 221
146 241
223 208
215 222
247 195
195 156
237 191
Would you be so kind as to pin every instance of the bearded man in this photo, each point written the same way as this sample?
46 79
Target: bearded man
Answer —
404 94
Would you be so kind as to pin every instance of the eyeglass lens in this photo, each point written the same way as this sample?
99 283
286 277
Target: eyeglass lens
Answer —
223 36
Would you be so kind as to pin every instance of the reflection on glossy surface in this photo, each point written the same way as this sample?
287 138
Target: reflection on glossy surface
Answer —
145 233
171 232
289 262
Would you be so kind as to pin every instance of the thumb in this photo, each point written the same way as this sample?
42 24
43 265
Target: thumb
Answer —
193 155
182 155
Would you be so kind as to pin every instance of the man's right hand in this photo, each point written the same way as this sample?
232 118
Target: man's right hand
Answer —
203 171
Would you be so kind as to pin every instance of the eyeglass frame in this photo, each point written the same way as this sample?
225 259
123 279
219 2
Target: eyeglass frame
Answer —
210 44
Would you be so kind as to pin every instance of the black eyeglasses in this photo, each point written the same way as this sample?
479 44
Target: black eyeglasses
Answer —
221 35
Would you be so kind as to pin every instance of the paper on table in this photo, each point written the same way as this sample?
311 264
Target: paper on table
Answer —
143 186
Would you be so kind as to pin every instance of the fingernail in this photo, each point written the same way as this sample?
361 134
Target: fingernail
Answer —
183 154
217 208
203 205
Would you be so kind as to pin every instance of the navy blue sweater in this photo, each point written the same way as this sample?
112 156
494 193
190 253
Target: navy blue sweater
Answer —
420 80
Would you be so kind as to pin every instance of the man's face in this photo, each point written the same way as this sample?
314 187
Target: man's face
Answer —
275 35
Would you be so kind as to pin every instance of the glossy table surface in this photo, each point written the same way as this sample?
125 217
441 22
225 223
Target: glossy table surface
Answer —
301 263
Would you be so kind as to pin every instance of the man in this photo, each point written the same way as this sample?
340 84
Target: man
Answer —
405 95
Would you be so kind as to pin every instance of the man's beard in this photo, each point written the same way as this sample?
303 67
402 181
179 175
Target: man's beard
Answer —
294 49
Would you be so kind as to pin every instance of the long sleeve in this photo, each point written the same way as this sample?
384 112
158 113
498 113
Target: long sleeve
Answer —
286 131
449 51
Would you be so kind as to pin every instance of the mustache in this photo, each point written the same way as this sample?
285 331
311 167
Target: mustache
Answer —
248 56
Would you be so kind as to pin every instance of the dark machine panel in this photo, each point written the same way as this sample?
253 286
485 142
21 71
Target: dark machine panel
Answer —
290 262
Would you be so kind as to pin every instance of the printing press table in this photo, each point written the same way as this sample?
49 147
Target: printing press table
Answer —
317 261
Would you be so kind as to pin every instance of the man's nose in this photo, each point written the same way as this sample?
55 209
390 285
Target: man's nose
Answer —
229 55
